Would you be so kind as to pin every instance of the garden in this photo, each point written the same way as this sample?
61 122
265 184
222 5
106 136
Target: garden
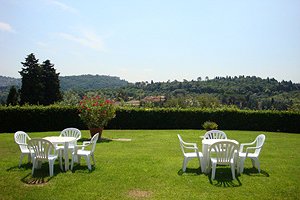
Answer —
146 164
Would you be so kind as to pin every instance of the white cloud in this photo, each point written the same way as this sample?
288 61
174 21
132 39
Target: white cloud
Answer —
63 6
88 39
6 27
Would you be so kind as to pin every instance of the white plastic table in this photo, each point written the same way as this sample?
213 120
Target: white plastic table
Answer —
65 141
206 143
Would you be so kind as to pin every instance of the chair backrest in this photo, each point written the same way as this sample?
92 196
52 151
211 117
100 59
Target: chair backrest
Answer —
181 144
260 140
21 139
223 151
215 134
42 148
71 132
94 142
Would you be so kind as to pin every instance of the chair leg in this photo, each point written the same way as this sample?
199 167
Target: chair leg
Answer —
185 161
242 162
51 166
88 162
93 158
72 162
29 157
21 158
60 158
213 173
232 166
255 163
33 166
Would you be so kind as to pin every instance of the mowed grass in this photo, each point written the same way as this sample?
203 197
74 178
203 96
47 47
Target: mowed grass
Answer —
149 167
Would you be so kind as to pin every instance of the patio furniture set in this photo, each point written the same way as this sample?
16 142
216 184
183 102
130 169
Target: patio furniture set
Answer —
51 148
217 149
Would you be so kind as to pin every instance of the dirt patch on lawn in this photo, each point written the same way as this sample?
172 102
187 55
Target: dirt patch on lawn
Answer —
139 194
122 139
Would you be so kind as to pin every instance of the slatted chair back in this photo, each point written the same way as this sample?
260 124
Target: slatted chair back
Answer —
94 142
215 134
223 151
42 148
21 138
260 140
71 132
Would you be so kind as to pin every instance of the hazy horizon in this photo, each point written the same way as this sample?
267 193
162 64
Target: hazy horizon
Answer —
142 40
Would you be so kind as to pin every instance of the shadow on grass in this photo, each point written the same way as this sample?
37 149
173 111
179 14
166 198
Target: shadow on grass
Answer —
189 171
82 169
41 176
23 167
254 172
223 178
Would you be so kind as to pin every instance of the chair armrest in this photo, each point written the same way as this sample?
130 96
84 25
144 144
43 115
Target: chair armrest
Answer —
245 144
250 148
86 142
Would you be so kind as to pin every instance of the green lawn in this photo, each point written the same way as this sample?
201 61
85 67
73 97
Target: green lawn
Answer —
149 167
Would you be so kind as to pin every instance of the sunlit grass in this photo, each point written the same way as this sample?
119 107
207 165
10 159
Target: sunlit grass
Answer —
149 167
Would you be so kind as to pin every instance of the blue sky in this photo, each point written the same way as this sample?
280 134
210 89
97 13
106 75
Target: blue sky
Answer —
159 40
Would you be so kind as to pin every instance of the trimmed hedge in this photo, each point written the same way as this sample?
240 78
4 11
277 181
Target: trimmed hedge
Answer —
38 118
55 118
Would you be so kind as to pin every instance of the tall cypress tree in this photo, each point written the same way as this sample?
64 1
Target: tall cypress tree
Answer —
32 85
13 96
51 84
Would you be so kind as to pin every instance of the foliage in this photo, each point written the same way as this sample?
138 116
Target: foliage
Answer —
69 98
42 118
13 96
51 91
40 83
209 125
90 82
38 118
151 164
96 112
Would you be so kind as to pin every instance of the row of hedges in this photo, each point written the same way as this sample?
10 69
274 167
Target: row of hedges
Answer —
55 118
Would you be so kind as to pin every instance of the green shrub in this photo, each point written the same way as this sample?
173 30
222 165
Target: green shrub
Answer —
209 125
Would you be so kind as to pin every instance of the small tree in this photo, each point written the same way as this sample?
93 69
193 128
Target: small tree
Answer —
13 96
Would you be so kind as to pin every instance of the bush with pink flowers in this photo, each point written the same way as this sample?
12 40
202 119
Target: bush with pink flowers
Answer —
96 111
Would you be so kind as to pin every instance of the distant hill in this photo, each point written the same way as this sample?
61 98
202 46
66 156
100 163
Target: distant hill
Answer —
9 81
83 82
90 82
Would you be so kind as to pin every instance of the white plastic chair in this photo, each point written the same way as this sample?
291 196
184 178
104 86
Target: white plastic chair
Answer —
224 153
68 132
76 155
43 150
193 152
214 134
21 139
251 152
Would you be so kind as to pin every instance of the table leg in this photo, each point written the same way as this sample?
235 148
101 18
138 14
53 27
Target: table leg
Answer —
66 148
205 158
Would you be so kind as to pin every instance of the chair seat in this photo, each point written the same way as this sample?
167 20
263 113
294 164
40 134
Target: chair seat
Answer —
26 151
214 160
250 155
81 152
193 154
